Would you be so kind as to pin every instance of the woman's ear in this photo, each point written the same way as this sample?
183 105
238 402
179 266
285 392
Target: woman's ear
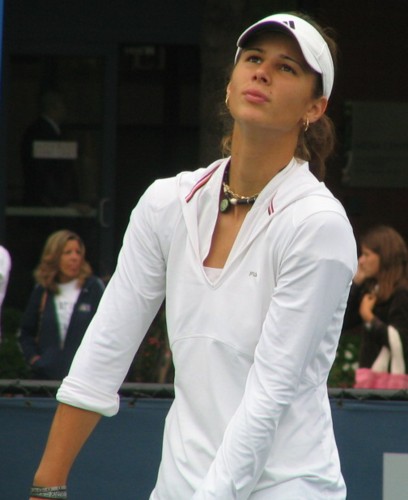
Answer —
317 109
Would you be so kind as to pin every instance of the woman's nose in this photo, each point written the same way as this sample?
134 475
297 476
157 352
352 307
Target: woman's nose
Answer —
261 75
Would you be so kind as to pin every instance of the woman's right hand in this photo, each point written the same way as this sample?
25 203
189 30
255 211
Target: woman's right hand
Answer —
360 276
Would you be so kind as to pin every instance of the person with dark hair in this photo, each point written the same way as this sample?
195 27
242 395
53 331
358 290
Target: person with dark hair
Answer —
255 259
60 307
378 305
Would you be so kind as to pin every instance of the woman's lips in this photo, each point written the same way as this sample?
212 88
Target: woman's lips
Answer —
73 269
255 96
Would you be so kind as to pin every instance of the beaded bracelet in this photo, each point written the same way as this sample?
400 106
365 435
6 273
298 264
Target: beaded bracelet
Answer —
49 492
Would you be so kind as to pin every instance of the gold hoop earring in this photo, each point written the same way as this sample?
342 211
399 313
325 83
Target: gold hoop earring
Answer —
226 100
306 125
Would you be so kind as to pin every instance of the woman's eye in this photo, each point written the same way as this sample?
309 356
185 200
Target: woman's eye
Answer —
287 69
254 59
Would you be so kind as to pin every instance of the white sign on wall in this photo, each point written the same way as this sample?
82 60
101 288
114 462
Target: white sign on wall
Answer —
55 150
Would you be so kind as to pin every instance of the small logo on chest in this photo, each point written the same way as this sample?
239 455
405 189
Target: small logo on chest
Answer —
253 274
84 308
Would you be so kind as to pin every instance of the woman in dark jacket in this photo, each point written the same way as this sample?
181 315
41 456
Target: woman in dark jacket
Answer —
378 305
60 307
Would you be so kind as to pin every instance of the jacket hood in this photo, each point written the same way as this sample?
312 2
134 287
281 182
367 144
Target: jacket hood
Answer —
199 194
293 183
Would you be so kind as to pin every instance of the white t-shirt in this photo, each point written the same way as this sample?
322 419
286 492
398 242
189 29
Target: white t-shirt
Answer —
65 301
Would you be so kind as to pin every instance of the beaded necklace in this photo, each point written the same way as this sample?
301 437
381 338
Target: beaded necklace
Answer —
231 198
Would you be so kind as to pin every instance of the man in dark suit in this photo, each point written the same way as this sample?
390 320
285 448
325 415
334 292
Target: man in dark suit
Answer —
47 160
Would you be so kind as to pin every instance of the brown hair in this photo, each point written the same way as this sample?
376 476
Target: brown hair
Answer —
390 246
317 144
46 273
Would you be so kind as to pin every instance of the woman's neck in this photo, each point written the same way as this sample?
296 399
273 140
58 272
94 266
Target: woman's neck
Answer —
62 280
255 161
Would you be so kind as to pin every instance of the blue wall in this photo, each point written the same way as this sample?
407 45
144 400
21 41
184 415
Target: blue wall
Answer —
121 458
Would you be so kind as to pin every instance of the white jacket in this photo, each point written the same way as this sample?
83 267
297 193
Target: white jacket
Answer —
252 350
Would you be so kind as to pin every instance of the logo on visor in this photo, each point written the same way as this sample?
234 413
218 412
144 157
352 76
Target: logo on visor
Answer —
291 24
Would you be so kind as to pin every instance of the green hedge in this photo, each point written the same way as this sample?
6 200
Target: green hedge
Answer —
151 364
12 364
346 362
148 365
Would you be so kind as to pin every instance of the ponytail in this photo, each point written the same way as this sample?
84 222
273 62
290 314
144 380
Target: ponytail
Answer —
316 144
